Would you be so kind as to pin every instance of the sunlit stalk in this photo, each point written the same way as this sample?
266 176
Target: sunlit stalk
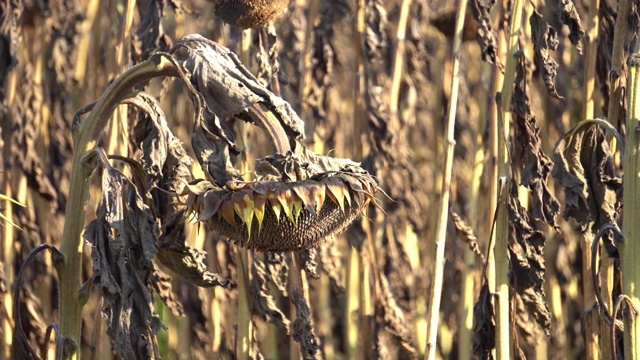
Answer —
443 206
630 246
85 137
501 250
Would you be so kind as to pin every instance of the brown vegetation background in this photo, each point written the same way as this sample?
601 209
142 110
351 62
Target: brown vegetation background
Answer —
372 96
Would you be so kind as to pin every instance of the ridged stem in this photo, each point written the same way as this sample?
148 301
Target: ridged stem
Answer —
630 246
443 207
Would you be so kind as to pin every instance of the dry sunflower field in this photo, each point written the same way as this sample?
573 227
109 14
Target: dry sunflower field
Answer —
348 179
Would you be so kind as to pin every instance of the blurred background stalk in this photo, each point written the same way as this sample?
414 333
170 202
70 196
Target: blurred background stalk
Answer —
443 206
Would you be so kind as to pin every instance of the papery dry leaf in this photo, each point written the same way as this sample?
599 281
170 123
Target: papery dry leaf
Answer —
545 39
124 240
331 265
570 17
536 165
262 302
161 284
188 263
485 35
149 35
278 270
303 332
526 254
484 325
391 319
308 258
465 233
584 167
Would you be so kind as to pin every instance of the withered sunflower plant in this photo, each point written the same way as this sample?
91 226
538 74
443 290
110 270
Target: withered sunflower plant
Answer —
295 200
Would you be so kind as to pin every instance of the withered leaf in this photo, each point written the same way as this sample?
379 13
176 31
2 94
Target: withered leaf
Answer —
584 167
124 240
570 17
536 165
526 254
390 317
149 35
262 301
309 262
188 263
278 271
484 325
227 87
465 233
330 258
161 284
484 34
303 332
545 39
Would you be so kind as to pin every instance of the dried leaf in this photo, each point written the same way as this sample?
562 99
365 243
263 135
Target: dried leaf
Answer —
262 302
188 263
303 332
485 35
526 254
124 240
545 39
161 284
465 233
149 35
391 318
536 165
484 325
278 271
584 167
570 17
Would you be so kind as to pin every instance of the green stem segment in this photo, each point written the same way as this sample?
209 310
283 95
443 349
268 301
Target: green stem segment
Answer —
85 137
630 247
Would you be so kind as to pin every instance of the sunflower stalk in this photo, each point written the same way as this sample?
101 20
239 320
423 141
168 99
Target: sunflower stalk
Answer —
501 250
85 137
630 246
443 207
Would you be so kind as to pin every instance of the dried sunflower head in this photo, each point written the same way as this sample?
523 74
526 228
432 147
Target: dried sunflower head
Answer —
281 216
249 13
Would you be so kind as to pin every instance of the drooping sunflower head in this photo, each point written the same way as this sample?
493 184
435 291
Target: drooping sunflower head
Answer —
271 215
249 13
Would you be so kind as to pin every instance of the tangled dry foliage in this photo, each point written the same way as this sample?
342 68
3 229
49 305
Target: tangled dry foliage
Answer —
323 112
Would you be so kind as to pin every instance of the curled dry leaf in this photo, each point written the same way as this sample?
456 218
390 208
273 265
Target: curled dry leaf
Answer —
166 166
262 302
484 325
570 17
585 169
526 253
249 13
465 233
161 284
484 35
303 332
545 39
124 240
149 35
390 320
536 165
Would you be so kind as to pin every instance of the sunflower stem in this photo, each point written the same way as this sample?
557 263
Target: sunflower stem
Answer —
85 137
630 246
443 206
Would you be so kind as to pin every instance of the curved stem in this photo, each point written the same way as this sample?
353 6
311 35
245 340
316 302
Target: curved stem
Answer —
85 137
